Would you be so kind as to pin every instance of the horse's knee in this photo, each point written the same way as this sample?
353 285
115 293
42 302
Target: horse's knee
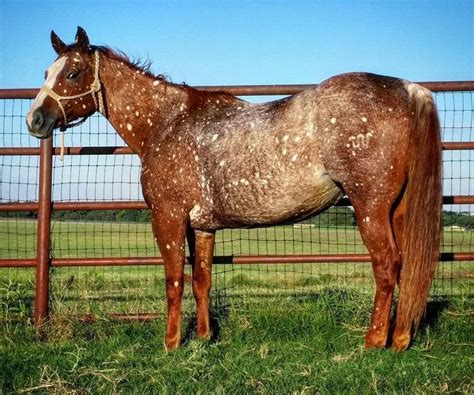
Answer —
174 289
201 288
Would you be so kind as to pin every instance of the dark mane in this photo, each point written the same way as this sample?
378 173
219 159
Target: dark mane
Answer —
196 98
141 65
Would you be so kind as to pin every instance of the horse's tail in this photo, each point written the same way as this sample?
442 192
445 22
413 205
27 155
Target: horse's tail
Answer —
422 222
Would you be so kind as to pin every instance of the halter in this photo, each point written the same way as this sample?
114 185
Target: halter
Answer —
95 89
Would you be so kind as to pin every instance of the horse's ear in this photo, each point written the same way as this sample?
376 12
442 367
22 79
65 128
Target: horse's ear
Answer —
58 44
81 38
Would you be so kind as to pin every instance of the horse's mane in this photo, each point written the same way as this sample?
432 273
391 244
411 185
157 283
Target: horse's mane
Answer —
139 64
196 97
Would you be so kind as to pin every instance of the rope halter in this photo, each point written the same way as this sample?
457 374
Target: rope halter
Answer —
95 89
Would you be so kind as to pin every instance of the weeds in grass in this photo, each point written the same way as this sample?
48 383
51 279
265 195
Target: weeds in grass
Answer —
16 301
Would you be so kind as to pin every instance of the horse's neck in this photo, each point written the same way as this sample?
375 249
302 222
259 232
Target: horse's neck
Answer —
138 105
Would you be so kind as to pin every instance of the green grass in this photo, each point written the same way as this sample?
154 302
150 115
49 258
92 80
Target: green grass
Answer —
294 328
105 239
132 289
295 345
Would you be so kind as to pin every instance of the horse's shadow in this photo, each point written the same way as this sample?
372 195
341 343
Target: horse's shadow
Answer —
218 316
434 309
219 313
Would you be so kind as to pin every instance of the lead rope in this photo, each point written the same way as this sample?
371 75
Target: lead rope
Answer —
95 89
61 156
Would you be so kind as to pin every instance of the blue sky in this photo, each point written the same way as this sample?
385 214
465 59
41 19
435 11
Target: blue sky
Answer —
242 42
249 42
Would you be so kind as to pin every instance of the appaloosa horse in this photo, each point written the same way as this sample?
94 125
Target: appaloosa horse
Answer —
213 161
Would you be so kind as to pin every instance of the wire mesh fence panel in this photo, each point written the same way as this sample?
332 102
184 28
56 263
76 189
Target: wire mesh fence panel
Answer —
18 182
456 112
94 177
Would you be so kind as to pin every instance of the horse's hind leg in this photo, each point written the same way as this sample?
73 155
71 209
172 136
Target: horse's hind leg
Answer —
376 231
401 335
203 251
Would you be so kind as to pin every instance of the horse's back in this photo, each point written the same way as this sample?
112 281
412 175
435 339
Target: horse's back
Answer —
285 160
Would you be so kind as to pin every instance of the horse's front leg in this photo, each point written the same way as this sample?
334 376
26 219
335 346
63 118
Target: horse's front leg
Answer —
170 233
202 268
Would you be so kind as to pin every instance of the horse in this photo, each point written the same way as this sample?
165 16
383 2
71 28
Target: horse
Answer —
211 161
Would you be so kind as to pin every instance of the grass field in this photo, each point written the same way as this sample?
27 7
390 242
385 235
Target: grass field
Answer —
298 345
277 328
133 289
81 239
99 239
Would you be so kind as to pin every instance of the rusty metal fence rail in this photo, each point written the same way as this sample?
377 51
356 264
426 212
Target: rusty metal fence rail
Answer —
35 195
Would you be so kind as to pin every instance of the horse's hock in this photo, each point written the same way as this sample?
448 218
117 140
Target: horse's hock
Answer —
82 228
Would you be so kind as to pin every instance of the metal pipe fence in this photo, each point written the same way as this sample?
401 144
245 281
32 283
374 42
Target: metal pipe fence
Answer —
61 219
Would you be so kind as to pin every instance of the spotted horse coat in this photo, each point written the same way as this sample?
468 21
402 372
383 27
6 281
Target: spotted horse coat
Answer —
212 161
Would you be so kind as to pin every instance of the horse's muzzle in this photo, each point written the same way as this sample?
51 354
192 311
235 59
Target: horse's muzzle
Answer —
40 125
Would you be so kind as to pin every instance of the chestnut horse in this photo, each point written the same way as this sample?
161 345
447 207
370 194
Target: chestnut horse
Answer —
212 161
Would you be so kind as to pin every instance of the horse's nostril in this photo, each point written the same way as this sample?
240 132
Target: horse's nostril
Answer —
38 120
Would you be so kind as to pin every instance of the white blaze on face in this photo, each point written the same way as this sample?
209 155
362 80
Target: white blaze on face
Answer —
53 73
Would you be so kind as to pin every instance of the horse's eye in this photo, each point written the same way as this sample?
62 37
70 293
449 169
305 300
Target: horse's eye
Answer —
72 75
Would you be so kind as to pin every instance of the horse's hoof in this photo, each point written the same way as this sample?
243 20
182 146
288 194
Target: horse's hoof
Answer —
204 335
375 338
203 330
400 343
374 341
171 345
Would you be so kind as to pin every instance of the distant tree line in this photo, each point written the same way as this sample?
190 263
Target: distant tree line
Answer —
463 220
85 215
335 216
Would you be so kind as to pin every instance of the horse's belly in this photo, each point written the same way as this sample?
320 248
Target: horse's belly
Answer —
267 202
296 202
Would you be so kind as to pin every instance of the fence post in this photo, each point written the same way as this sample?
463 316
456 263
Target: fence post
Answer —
43 237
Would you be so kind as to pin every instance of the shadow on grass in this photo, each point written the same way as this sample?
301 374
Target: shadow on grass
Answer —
434 309
218 317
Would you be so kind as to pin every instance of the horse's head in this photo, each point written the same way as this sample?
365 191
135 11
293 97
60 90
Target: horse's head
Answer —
72 88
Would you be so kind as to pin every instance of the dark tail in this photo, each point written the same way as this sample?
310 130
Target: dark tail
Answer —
422 223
